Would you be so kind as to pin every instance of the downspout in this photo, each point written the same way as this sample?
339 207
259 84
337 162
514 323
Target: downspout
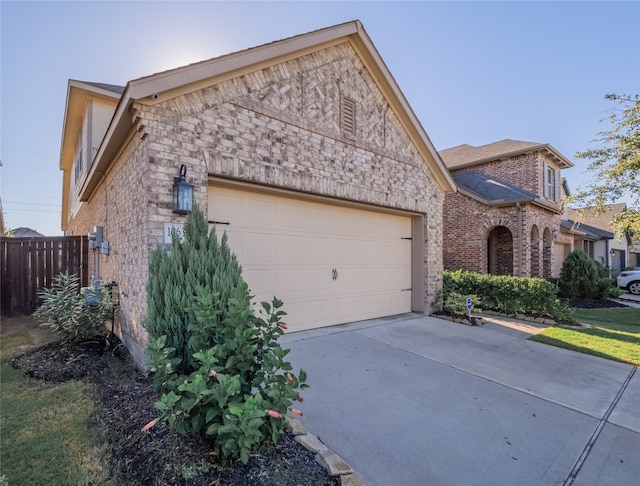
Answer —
520 241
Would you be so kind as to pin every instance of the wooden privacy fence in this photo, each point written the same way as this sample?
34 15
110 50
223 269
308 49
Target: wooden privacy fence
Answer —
28 265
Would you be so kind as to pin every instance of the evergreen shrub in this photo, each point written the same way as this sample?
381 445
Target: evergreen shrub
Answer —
582 277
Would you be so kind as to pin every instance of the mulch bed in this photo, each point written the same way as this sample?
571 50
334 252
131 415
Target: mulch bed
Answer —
594 304
124 401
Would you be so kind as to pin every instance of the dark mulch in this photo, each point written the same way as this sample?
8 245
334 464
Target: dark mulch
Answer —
594 304
124 402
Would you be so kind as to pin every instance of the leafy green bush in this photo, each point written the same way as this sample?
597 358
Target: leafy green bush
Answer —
509 295
65 311
221 369
581 276
456 303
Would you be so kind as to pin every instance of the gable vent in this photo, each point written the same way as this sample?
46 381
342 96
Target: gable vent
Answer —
348 117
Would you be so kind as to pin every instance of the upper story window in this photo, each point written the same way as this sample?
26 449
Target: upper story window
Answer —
78 165
551 183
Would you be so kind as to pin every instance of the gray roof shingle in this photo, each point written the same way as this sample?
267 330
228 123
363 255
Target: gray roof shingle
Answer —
490 188
108 87
590 231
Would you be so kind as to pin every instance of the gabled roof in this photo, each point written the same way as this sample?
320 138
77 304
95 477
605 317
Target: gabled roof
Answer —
158 87
590 232
493 191
596 219
468 155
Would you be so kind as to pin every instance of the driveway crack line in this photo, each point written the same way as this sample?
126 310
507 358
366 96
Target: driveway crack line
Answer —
596 433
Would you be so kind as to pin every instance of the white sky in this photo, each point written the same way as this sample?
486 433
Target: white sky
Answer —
473 72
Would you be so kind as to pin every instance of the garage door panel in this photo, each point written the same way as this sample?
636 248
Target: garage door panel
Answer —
263 212
294 283
228 205
321 219
290 248
294 248
294 216
321 249
261 247
264 283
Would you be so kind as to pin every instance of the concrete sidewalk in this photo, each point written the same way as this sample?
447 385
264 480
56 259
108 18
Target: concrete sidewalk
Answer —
415 400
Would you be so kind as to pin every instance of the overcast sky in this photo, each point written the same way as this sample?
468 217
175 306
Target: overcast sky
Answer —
473 72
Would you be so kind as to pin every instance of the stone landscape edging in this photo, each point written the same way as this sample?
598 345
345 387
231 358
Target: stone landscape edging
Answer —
332 462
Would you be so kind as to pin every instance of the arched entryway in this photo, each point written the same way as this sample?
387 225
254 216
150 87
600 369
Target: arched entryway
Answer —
500 251
535 251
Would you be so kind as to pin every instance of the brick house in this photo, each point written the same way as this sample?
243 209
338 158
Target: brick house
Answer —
615 253
303 150
505 217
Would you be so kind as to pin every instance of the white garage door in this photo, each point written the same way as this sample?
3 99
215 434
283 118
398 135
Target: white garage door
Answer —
328 264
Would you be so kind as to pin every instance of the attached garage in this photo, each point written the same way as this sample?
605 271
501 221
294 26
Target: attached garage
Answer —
329 263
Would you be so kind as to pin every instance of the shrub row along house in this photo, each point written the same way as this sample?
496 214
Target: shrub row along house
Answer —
307 154
304 151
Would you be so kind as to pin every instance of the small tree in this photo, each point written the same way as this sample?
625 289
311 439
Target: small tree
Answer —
615 163
582 276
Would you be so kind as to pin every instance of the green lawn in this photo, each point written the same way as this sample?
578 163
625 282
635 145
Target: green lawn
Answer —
614 334
44 437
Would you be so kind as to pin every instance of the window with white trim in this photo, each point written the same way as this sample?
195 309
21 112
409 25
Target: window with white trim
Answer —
551 183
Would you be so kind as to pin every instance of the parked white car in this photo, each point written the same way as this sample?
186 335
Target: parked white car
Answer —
630 280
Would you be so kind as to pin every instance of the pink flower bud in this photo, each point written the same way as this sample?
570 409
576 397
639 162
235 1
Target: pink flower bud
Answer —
295 411
284 326
274 414
300 399
289 378
149 425
213 373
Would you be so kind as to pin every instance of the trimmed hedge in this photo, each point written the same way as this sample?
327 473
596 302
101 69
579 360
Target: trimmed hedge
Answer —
505 294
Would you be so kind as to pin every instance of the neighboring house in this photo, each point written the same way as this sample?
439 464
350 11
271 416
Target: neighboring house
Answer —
505 217
593 241
25 233
616 254
304 150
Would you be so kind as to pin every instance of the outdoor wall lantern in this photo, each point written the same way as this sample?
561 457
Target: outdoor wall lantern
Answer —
182 193
612 253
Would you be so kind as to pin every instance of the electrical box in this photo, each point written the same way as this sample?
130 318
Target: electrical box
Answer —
104 248
95 237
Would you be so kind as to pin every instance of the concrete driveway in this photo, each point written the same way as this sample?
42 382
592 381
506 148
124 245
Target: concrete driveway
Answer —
415 400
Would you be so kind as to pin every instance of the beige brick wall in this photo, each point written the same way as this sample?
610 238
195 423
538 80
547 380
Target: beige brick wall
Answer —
121 206
279 126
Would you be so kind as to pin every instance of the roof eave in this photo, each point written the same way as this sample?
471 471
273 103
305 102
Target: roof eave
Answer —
561 159
511 202
77 94
150 90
